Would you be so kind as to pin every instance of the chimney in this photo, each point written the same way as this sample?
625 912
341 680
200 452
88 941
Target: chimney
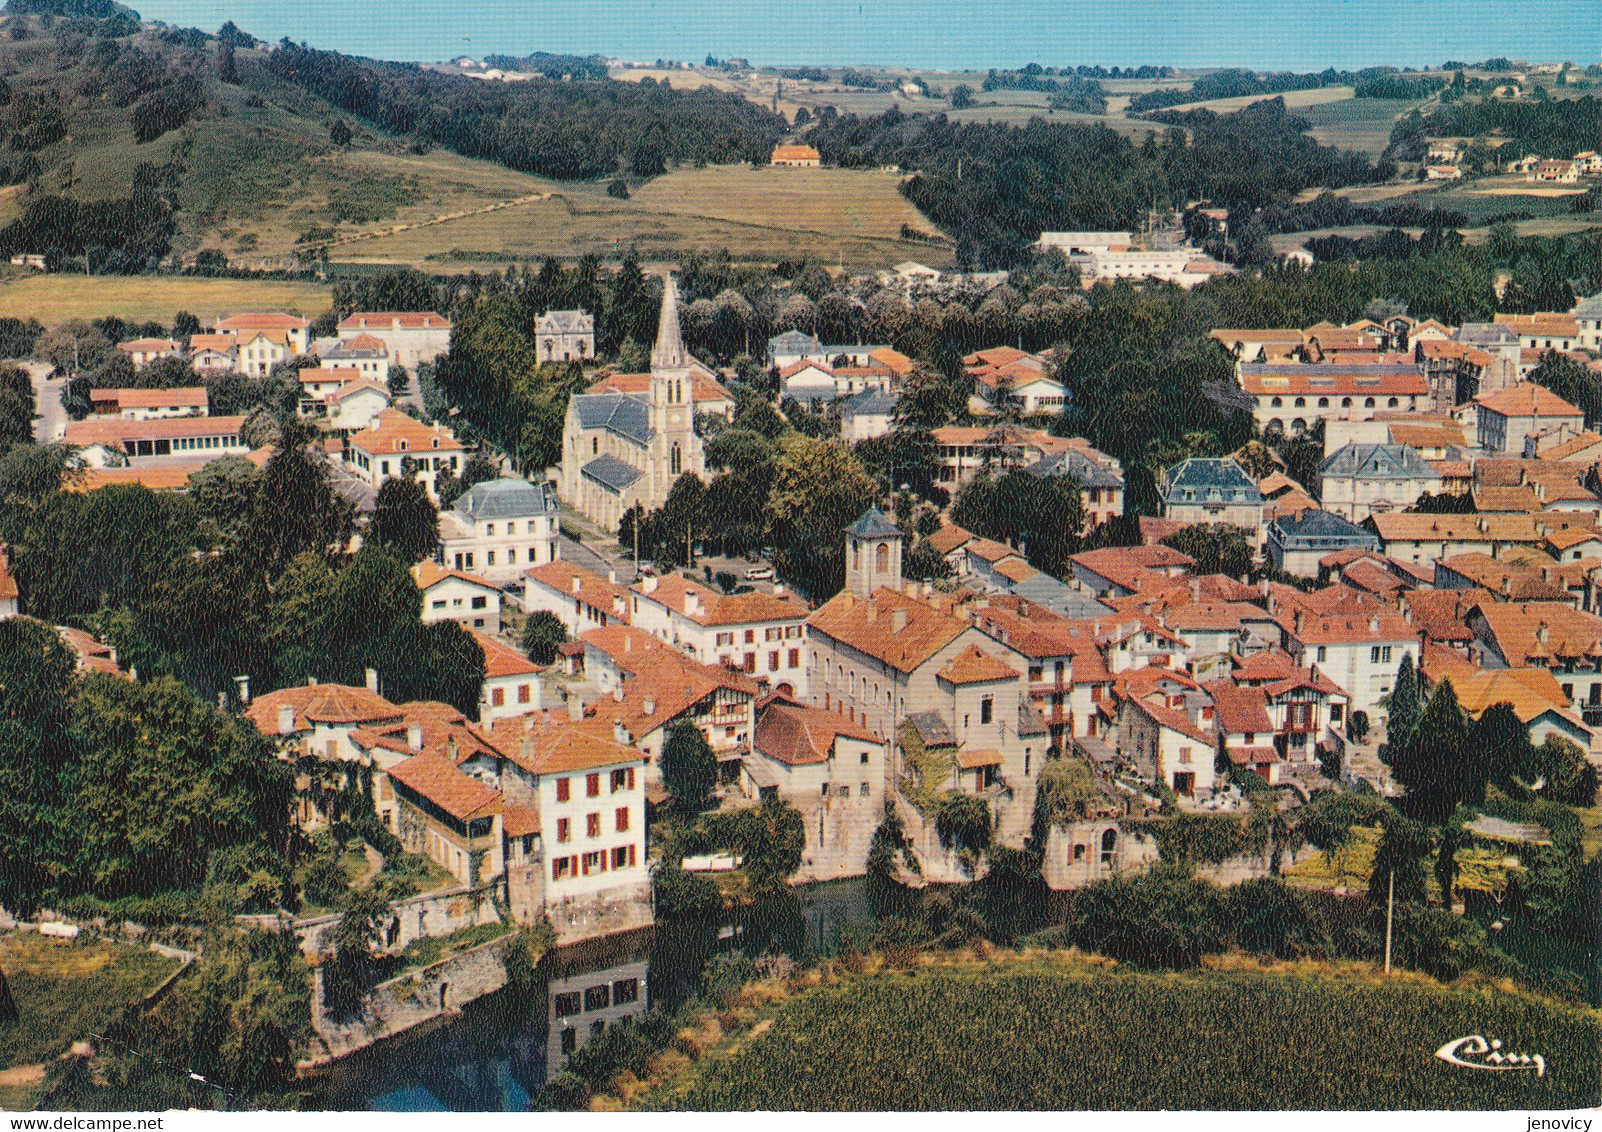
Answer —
778 589
450 748
617 692
414 736
650 584
243 684
372 680
575 708
620 734
873 611
311 681
618 608
611 576
628 643
576 584
1373 623
691 604
528 722
650 704
286 720
898 620
1541 633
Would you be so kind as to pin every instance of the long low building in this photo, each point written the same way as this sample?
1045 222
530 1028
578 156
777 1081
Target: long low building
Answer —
113 441
1292 397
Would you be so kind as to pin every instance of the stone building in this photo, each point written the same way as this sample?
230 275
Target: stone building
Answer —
565 336
620 450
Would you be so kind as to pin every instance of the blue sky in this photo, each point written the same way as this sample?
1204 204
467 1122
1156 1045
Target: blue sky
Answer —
1264 34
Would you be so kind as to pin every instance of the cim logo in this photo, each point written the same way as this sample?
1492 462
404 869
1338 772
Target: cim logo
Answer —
1474 1052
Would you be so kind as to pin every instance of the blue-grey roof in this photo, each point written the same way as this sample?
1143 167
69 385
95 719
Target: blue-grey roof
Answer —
1063 600
505 499
1589 308
1325 370
869 403
611 473
1484 334
873 523
793 342
1320 530
565 322
1200 480
1376 462
618 413
1077 466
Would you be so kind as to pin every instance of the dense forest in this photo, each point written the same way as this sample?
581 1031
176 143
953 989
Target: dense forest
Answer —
1551 128
999 186
566 130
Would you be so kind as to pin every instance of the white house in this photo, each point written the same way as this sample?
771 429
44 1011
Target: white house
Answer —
511 680
393 442
762 635
562 336
452 595
1359 652
143 351
411 337
499 528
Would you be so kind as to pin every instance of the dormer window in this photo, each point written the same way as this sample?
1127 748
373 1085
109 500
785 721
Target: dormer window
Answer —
401 445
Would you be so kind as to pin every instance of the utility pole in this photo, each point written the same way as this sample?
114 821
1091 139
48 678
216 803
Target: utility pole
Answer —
1390 910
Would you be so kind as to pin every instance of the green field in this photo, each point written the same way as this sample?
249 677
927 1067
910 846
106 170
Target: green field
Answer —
1361 124
1058 1034
65 989
54 299
854 214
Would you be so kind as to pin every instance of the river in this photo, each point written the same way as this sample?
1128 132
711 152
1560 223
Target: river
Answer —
498 1052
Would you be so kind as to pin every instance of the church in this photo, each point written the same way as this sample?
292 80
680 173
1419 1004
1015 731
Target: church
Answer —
622 449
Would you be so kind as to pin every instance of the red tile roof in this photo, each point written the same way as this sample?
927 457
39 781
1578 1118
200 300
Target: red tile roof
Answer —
431 776
799 736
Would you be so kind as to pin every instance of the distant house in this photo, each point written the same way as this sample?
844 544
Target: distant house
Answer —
393 442
796 156
9 594
1443 173
812 383
1297 542
1587 315
365 353
563 336
1508 416
291 329
143 351
114 441
212 353
454 595
1554 173
413 337
149 404
1213 491
1027 378
500 528
29 259
1360 480
867 415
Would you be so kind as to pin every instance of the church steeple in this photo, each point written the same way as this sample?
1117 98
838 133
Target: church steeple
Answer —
669 352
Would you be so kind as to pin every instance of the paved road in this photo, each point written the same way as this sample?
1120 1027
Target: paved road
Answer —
51 418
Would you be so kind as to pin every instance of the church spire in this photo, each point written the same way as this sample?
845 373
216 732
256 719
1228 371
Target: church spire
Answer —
669 352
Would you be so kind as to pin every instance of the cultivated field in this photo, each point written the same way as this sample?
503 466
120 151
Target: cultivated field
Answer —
763 213
1294 100
1059 1034
54 299
1361 124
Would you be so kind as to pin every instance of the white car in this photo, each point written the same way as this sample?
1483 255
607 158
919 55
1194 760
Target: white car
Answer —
759 574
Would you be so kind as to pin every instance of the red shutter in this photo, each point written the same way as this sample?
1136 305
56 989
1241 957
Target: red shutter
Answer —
631 854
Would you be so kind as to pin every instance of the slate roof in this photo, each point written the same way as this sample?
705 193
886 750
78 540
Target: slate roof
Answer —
564 322
873 523
1377 462
1213 480
1589 308
932 729
869 403
1063 600
611 473
618 413
505 498
1077 466
793 342
1484 334
1322 525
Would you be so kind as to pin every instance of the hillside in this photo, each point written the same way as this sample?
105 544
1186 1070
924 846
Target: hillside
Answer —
254 173
1054 1032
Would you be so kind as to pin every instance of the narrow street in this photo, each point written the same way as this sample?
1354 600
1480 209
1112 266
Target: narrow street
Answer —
50 418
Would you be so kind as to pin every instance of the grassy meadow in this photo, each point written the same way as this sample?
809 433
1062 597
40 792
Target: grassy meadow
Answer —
54 299
1058 1033
64 989
1361 124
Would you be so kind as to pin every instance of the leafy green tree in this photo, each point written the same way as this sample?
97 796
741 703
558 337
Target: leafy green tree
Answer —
1402 847
30 474
296 509
775 838
16 406
1436 765
689 767
339 132
818 490
224 492
161 781
1217 548
633 357
351 966
301 596
1501 741
1160 918
1564 772
543 632
37 685
1576 383
1405 705
404 519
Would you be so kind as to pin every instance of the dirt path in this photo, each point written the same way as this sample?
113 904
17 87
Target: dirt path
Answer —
443 218
21 1075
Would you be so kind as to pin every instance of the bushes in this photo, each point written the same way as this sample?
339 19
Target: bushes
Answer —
963 820
679 893
1271 918
1162 918
1198 839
